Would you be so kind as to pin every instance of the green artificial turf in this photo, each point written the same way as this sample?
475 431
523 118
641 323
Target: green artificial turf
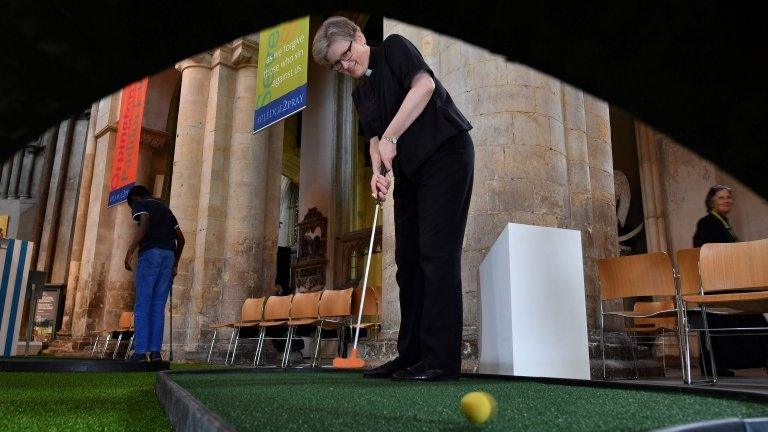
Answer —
304 401
81 401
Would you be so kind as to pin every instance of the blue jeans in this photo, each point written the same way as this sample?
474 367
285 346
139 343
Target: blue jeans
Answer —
154 275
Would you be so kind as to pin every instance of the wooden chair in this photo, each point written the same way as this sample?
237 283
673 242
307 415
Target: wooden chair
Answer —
251 315
651 329
635 276
334 313
304 312
124 326
276 314
248 309
734 280
371 311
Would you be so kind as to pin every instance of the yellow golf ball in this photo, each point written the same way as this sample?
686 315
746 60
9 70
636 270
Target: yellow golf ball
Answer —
478 407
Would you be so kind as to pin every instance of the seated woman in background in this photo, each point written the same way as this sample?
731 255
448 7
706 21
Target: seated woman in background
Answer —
730 352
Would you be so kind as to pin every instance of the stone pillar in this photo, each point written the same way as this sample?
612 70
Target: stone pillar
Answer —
5 180
13 188
208 245
652 188
81 219
28 166
185 187
98 240
245 204
601 177
272 214
580 191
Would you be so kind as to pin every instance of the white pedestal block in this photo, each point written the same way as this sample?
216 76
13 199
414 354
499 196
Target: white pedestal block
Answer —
533 317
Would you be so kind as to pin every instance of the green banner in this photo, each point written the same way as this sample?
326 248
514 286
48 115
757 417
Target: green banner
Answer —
281 89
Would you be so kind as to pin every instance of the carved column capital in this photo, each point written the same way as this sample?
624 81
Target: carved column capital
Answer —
199 60
245 52
153 138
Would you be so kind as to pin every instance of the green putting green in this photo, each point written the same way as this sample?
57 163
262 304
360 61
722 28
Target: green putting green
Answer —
303 401
39 401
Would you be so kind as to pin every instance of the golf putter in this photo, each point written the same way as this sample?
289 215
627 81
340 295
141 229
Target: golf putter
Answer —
353 361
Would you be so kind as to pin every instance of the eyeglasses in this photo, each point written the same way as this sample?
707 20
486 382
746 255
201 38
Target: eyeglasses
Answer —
345 56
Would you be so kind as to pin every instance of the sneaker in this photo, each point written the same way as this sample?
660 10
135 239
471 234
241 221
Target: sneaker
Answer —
154 356
139 358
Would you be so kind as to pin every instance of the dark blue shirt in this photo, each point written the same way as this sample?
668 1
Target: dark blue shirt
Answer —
162 224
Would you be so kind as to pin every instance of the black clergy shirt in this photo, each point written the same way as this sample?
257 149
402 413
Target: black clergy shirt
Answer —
378 98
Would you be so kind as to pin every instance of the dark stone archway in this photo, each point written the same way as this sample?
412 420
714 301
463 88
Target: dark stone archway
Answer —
690 69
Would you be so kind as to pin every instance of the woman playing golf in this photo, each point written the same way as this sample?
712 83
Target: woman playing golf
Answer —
418 135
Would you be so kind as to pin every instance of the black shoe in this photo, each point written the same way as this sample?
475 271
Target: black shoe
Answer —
154 356
422 372
139 358
725 373
387 369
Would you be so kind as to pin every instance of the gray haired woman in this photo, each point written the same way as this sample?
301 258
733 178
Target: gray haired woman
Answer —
417 133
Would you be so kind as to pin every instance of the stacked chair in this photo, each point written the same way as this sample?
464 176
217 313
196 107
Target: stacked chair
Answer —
124 328
734 280
250 315
629 277
329 313
720 278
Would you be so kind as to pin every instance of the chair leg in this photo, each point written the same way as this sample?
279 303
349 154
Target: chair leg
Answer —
602 340
259 347
210 350
117 346
634 358
95 343
229 347
106 343
234 351
130 346
709 344
287 351
318 335
663 354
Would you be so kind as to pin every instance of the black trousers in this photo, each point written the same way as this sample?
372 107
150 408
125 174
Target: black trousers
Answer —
431 209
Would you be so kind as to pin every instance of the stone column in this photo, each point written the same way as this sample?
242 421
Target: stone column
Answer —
580 191
185 187
208 244
5 181
81 219
652 189
248 164
98 240
13 188
28 166
272 209
601 177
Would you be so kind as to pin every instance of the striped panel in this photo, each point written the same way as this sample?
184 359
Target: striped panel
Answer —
14 269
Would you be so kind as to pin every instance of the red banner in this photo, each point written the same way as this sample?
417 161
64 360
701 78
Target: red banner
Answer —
126 156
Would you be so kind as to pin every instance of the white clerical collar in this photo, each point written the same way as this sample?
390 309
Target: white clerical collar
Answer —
368 72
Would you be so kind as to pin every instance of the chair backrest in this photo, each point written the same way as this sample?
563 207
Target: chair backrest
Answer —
277 307
636 275
667 322
372 301
336 303
688 267
305 304
734 266
253 309
125 321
